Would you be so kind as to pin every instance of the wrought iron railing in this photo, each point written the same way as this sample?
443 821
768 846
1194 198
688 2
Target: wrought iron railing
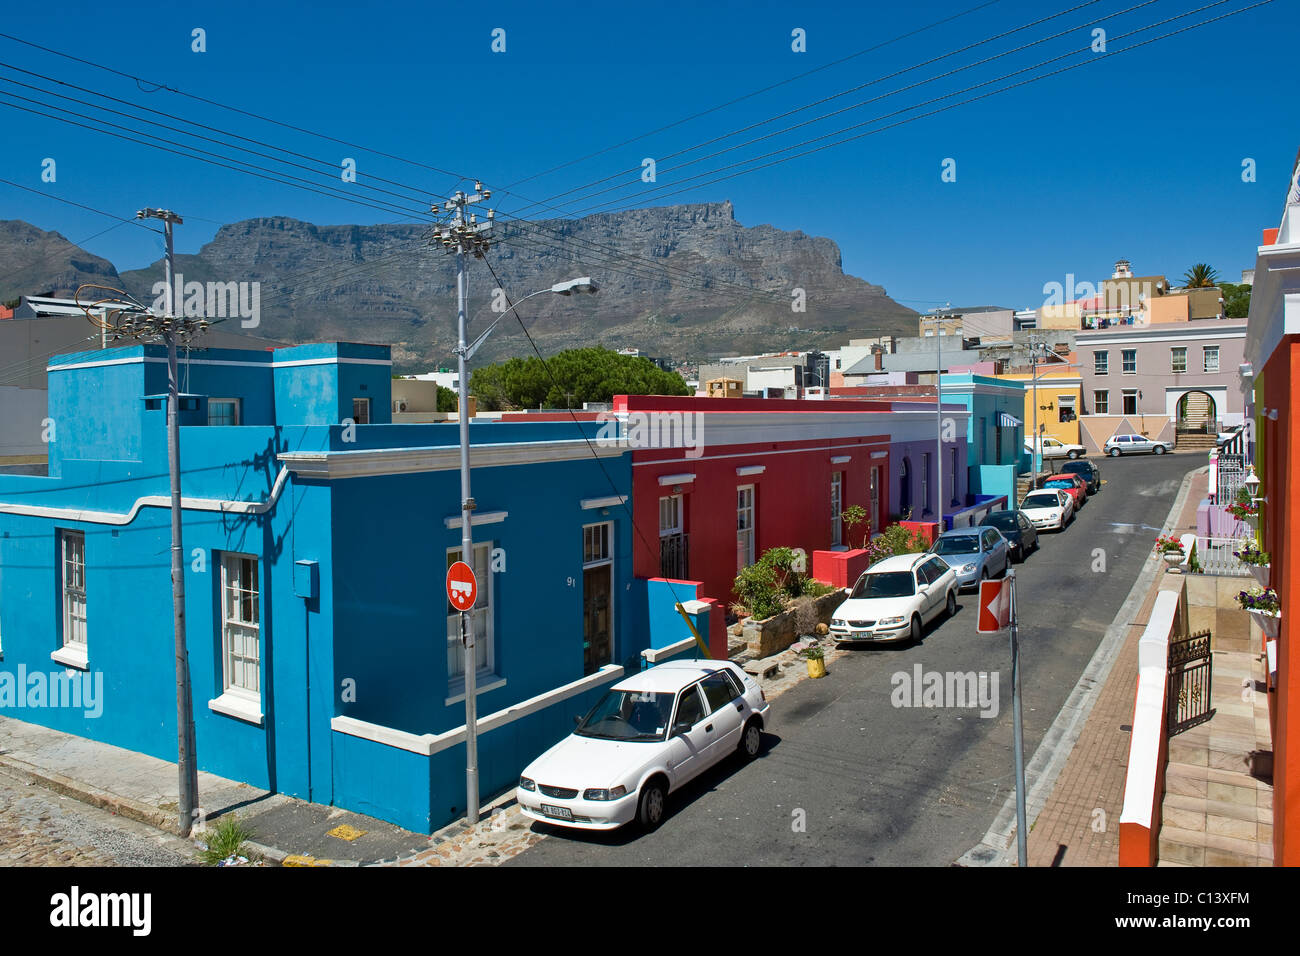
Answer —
1191 672
674 556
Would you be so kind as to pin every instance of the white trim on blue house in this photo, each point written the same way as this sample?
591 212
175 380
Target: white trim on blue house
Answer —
333 465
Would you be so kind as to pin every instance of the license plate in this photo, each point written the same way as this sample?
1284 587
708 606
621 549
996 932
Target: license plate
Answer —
563 813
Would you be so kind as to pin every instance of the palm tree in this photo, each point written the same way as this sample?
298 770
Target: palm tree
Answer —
1200 276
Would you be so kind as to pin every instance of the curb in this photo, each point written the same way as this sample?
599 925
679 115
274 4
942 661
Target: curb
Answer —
105 800
1044 768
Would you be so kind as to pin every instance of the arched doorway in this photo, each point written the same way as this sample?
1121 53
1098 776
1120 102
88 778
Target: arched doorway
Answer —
1196 412
905 487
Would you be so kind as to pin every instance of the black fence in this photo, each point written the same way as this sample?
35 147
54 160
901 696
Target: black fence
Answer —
674 556
1191 671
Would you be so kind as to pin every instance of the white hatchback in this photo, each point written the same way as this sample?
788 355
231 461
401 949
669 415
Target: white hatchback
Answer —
645 738
1048 508
895 598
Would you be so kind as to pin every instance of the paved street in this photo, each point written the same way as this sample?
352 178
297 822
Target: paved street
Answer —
42 828
872 783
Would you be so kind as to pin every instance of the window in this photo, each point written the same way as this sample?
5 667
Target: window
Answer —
241 645
718 691
1100 362
223 411
1101 402
873 495
1130 401
744 526
483 630
837 496
361 411
1211 358
952 476
1065 408
1130 361
597 596
673 557
690 708
73 585
925 482
1178 359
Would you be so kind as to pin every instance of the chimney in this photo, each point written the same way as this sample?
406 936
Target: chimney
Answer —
878 354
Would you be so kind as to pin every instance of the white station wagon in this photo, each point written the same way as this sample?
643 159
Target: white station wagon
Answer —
895 598
649 735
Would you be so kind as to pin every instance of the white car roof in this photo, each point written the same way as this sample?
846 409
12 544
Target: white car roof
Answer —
670 676
900 562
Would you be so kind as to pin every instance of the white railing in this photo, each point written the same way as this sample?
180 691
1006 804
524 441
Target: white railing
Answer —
1215 556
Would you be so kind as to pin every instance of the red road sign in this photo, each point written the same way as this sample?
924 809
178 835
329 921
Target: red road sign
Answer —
995 606
462 587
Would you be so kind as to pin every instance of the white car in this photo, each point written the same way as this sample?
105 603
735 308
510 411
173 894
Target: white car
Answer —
1048 508
895 598
1055 448
648 735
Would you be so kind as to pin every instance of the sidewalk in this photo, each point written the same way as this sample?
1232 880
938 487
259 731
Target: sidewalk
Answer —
1079 822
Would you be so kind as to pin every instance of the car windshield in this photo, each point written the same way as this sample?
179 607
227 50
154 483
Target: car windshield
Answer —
1041 501
629 715
885 584
957 544
1002 520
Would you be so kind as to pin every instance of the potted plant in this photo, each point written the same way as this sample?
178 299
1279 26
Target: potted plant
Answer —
1169 548
1262 603
1244 509
1258 561
853 516
816 658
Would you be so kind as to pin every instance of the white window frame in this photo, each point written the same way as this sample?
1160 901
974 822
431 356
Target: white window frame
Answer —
484 609
1127 394
1205 358
1124 354
366 405
746 506
1101 401
1174 355
674 503
600 562
237 700
237 403
1101 362
73 627
837 506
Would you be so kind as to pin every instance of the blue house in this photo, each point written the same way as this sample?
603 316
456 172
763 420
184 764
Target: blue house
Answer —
325 658
995 431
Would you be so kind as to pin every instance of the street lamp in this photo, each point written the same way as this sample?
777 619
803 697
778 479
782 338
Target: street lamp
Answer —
464 353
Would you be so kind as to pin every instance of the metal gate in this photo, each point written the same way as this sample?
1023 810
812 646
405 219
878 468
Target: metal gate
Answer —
1191 669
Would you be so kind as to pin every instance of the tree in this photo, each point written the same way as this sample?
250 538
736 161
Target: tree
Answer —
570 378
448 401
1200 276
1236 300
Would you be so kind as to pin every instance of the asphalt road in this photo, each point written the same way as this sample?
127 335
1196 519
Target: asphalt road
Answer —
847 778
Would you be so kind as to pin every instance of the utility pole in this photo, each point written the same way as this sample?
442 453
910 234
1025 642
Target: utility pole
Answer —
1022 833
170 326
466 236
938 417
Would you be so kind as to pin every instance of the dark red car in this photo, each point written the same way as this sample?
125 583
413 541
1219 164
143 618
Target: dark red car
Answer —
1076 486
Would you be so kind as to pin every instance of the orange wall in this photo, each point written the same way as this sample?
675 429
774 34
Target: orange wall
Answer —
1281 487
1167 308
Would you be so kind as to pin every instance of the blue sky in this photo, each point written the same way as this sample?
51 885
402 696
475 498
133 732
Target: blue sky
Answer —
1137 155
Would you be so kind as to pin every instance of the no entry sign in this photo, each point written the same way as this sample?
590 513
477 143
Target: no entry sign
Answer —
995 606
462 587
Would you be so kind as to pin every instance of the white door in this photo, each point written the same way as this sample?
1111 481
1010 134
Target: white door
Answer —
686 749
744 526
725 718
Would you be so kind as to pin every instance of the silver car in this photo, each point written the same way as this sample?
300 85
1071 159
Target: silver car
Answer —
1118 445
976 554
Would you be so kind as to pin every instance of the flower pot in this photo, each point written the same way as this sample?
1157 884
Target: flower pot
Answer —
1172 557
1260 571
1270 622
816 667
1252 521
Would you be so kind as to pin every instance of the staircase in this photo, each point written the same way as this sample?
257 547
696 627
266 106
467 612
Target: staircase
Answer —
1196 441
1197 410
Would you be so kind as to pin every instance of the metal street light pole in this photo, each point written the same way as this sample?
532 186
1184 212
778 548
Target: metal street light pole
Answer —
466 236
938 418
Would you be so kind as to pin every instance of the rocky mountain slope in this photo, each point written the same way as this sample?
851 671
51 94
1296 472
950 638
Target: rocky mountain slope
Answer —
687 282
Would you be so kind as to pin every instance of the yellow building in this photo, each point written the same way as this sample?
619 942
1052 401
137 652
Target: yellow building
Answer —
1057 399
724 388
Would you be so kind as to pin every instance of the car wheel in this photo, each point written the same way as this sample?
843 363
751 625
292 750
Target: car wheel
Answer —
650 809
750 740
1114 453
1159 449
916 629
1074 454
951 609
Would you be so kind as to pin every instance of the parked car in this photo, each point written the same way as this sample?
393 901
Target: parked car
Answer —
1118 445
1088 470
895 598
1226 436
1055 448
976 554
648 735
1048 508
1016 527
1076 486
